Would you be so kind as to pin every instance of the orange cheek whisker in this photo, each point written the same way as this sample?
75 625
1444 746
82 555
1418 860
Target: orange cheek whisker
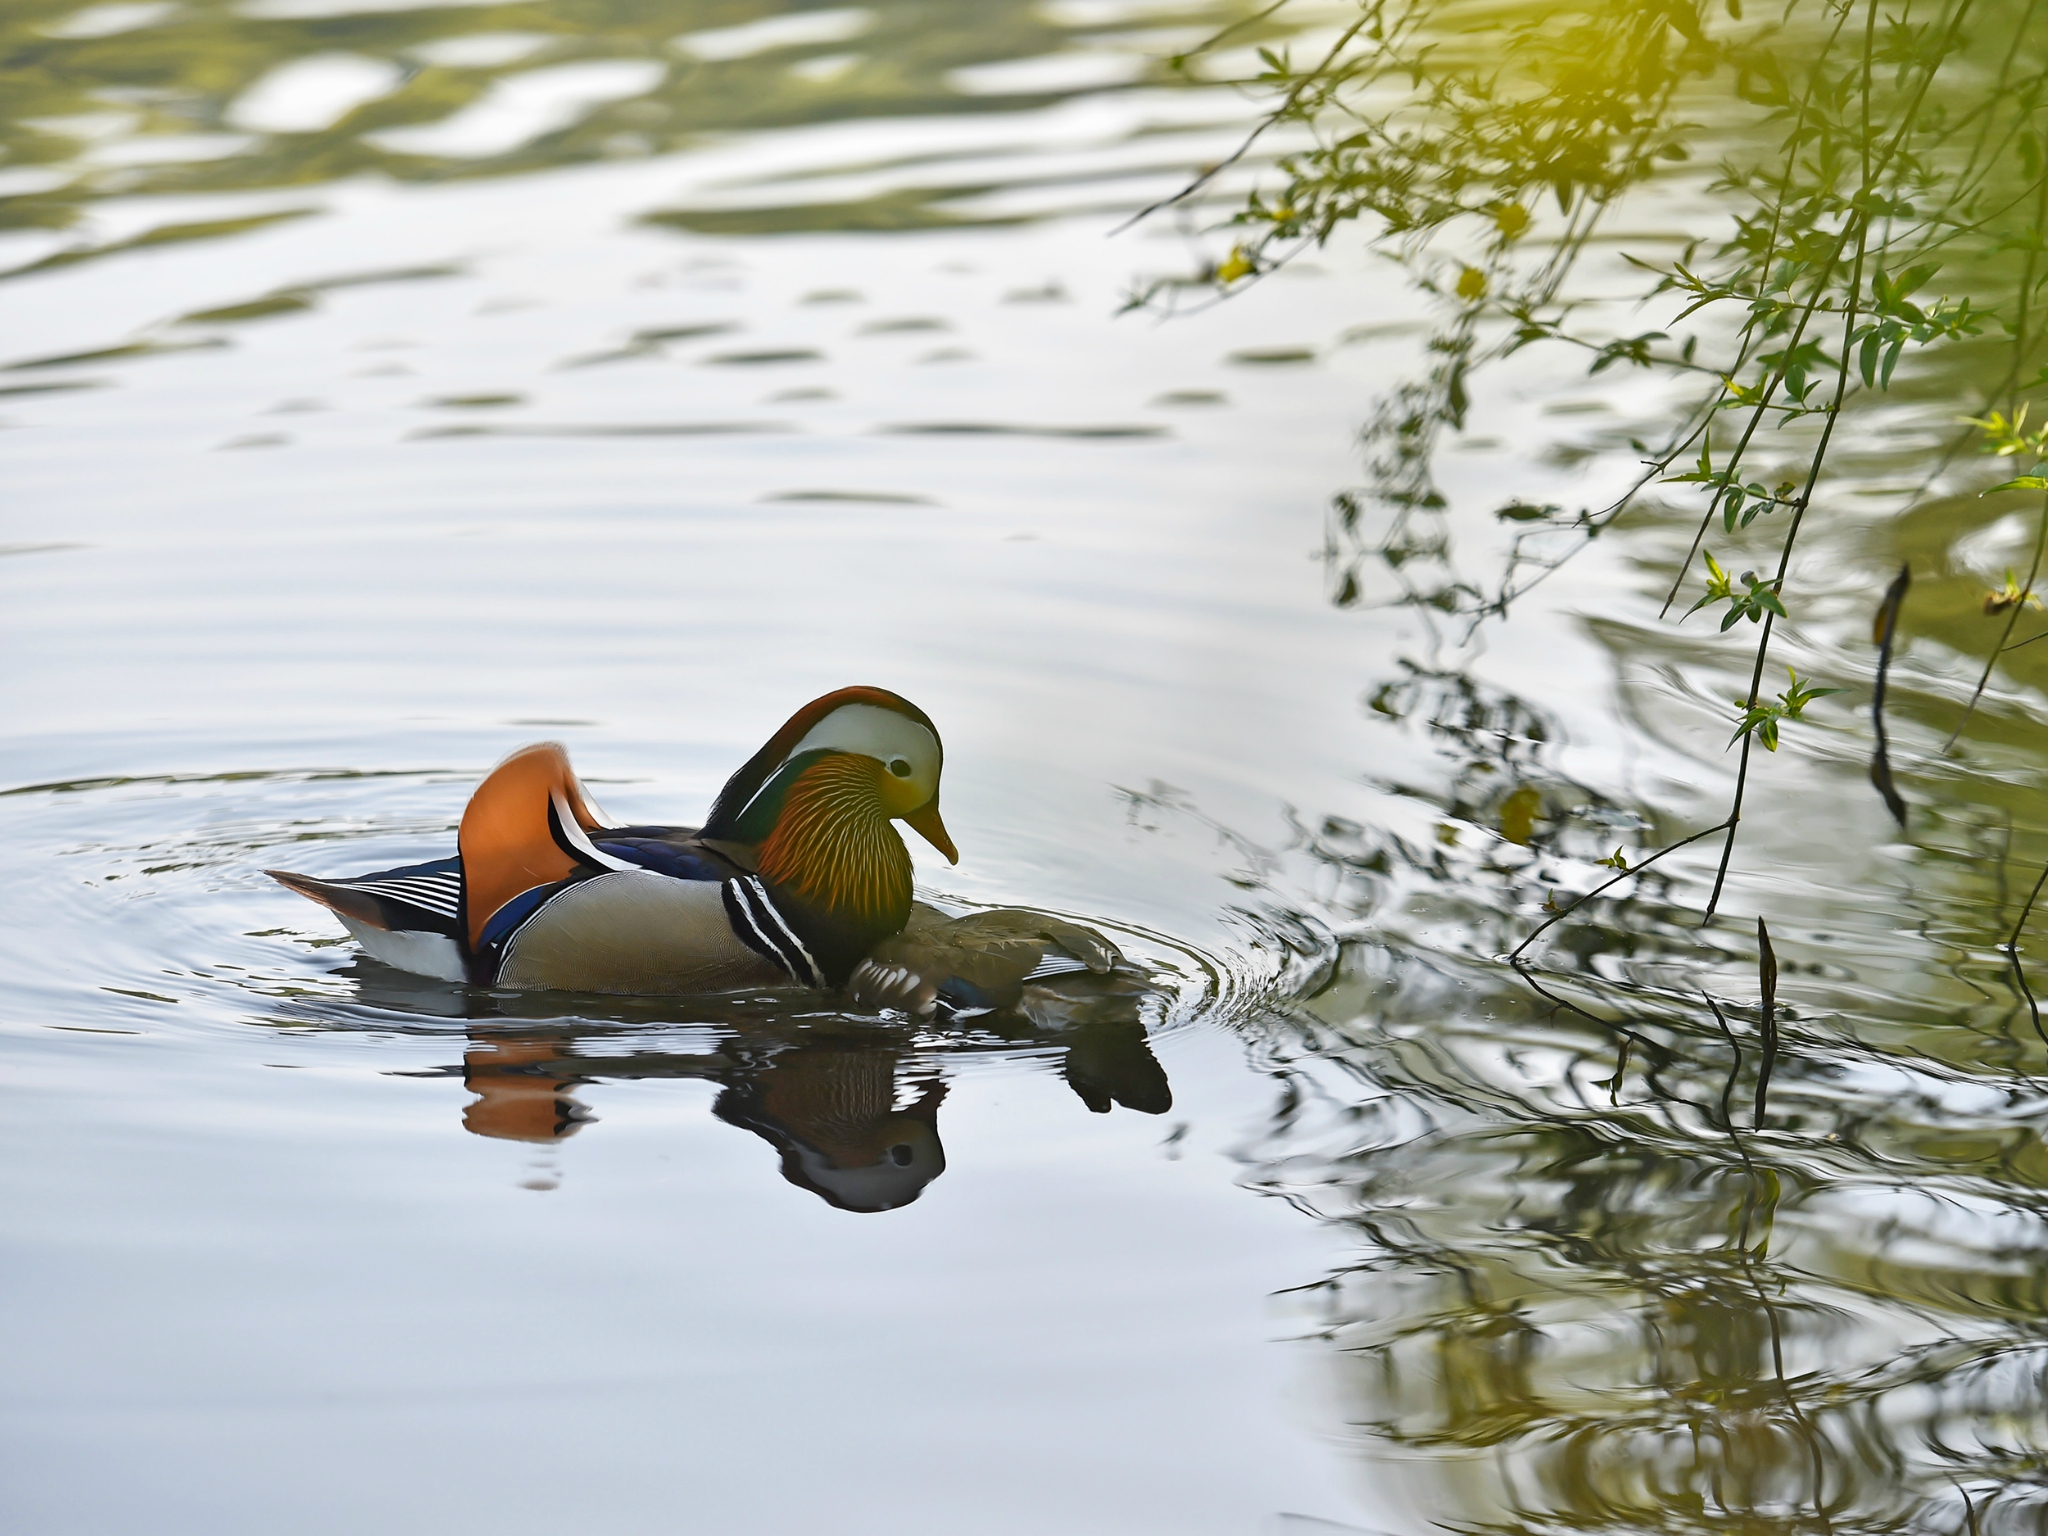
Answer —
833 844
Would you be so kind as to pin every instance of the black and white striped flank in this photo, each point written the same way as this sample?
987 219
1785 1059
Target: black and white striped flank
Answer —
762 929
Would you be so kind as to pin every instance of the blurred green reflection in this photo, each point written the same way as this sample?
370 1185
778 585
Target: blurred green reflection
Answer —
218 96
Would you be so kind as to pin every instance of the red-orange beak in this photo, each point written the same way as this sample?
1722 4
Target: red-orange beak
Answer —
925 822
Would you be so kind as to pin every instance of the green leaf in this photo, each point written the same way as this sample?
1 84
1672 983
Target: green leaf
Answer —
1913 278
2023 483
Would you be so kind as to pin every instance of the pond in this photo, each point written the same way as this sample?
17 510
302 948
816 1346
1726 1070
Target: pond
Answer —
386 386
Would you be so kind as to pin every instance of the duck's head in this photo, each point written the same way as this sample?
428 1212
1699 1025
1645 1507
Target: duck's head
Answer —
813 807
871 725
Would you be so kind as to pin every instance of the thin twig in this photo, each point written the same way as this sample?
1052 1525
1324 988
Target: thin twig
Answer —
1636 869
2012 940
1734 1072
2011 946
2012 621
1969 1509
1287 105
1815 75
2019 974
1820 453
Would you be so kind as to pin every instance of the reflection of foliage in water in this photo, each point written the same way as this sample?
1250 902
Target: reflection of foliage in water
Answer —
1861 155
1591 1304
1592 1289
140 100
1597 1287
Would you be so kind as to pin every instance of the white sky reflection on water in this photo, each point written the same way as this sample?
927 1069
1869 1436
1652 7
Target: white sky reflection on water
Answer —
558 465
438 468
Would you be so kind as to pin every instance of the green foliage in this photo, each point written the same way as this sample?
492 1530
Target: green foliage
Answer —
1757 598
2009 438
2013 594
1764 719
1738 501
1866 183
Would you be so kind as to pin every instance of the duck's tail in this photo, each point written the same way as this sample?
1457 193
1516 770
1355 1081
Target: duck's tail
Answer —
409 917
346 900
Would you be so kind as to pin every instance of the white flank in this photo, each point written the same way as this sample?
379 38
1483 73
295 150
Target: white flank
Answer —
424 954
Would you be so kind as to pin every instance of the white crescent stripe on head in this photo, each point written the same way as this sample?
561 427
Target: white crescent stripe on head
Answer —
572 830
870 731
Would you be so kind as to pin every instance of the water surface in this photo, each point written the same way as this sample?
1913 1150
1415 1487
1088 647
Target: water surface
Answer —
387 387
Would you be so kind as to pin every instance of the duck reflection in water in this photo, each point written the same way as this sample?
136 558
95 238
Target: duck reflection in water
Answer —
831 1110
854 1118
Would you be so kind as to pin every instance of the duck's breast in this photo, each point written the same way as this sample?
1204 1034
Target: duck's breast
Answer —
633 931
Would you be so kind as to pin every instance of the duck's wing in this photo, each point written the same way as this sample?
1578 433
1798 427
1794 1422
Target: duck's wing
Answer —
529 824
676 851
979 963
530 830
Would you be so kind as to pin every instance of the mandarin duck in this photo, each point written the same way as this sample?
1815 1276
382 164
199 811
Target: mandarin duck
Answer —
795 878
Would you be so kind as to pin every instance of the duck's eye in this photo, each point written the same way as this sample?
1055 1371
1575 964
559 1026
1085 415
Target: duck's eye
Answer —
900 766
900 1155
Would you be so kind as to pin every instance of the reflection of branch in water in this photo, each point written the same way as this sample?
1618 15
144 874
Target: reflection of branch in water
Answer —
1159 797
1567 1268
1571 1269
1627 1349
1767 989
2012 950
1626 874
1400 441
1887 627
